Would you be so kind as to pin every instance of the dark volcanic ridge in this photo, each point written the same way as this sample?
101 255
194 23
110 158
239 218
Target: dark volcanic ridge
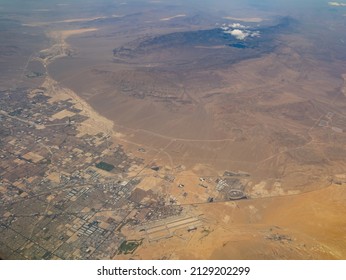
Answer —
205 48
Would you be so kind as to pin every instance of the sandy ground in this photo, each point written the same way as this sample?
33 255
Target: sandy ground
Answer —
295 212
95 122
306 226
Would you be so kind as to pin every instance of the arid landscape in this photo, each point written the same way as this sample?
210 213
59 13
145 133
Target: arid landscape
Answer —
172 130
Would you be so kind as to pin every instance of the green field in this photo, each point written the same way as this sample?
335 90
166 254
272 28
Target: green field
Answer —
105 166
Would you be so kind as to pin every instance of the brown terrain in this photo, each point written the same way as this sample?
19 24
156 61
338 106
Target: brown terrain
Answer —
271 114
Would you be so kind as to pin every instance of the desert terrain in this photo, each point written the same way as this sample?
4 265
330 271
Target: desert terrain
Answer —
173 131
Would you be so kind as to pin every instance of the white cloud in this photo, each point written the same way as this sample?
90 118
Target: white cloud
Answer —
237 25
239 31
255 34
239 34
338 4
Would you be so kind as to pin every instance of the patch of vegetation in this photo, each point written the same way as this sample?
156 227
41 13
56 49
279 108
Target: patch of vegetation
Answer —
105 166
129 246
